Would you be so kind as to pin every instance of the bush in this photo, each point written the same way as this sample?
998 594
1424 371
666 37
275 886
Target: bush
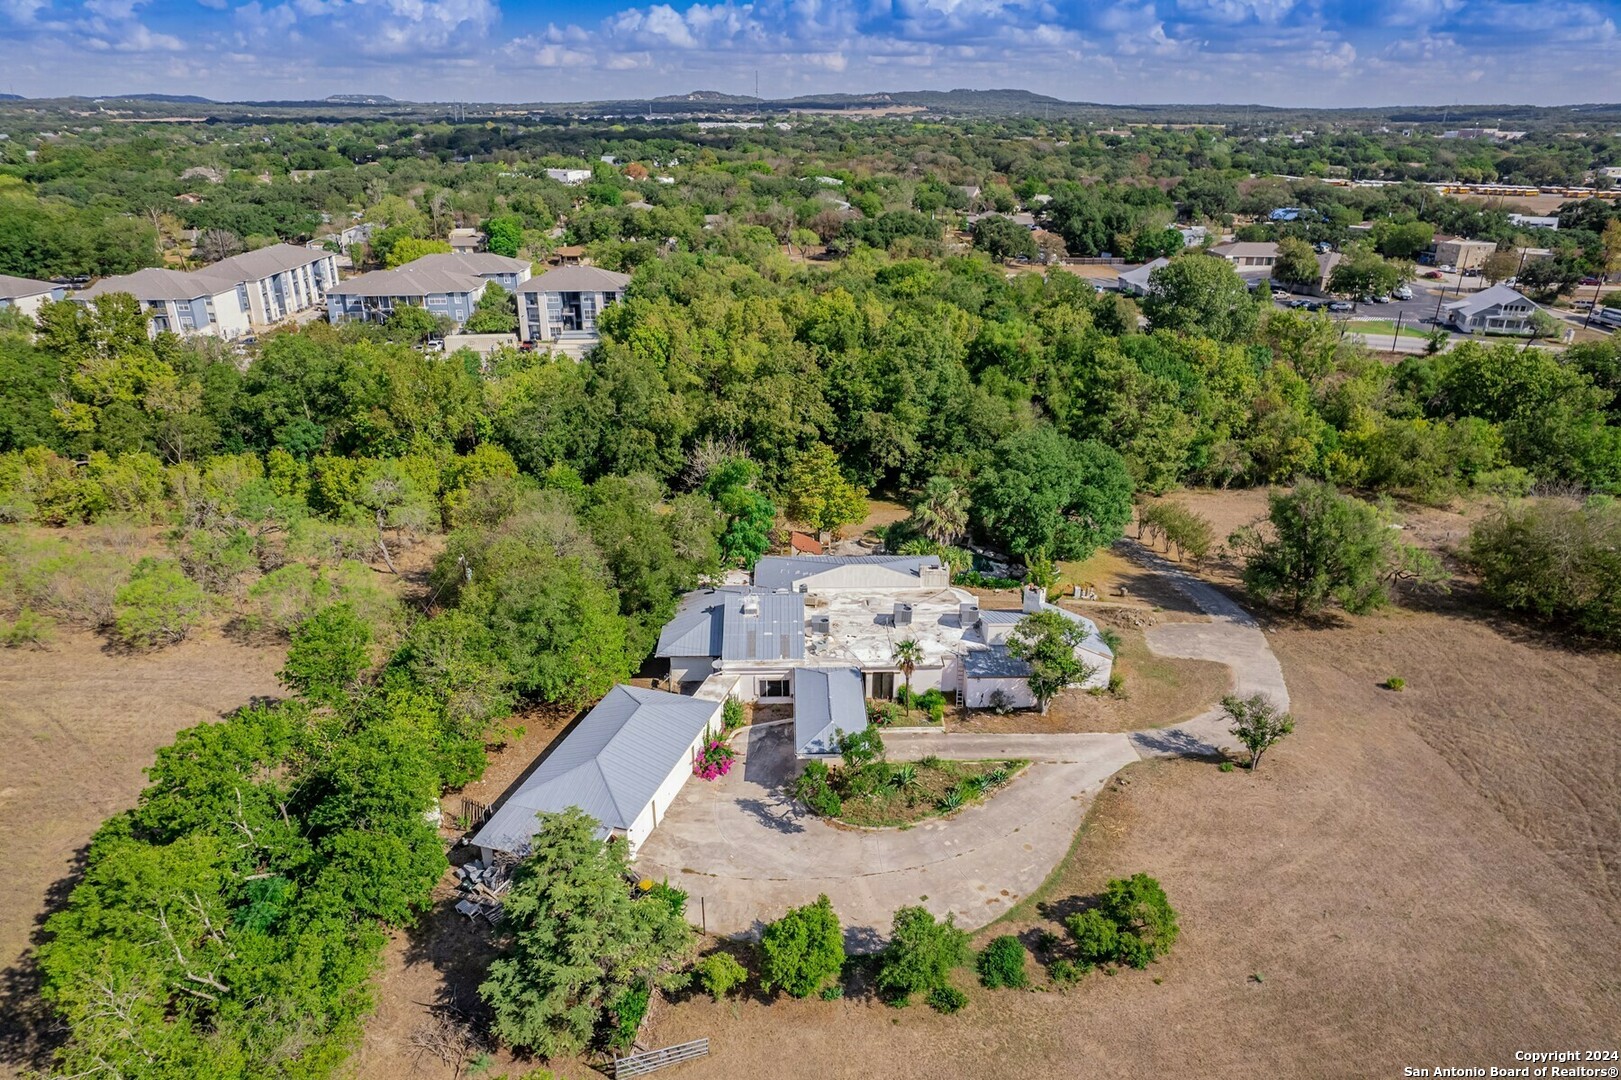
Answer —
732 714
1097 939
803 951
1139 908
1001 964
625 1014
28 628
1395 682
1554 559
720 973
1065 972
947 999
814 788
921 953
329 651
158 606
670 896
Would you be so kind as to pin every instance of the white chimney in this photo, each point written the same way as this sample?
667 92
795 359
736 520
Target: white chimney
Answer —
1035 599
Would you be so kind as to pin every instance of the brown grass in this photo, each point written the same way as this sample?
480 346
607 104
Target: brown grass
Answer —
81 722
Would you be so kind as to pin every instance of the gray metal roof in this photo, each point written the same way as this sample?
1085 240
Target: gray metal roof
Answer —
771 628
1495 296
476 263
407 282
736 624
695 629
1000 616
1139 277
576 279
610 765
15 288
826 702
995 662
785 571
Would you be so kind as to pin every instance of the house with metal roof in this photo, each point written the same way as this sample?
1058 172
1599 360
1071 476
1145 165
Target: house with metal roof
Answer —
560 307
849 613
828 702
1135 282
821 573
623 763
26 294
1497 310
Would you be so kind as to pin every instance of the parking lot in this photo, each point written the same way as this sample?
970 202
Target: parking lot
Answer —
1419 312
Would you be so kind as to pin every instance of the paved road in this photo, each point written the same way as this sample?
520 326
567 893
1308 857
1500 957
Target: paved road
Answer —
745 850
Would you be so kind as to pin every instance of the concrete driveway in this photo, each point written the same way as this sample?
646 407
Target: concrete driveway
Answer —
745 851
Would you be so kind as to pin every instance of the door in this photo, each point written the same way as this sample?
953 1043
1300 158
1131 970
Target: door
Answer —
881 685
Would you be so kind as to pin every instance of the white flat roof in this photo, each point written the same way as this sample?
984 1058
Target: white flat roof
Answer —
862 630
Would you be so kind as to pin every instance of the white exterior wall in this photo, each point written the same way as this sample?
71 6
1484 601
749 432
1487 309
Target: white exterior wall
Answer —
230 320
654 812
691 668
977 693
28 305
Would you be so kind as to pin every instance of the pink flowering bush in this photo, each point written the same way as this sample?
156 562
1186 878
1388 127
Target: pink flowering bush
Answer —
714 761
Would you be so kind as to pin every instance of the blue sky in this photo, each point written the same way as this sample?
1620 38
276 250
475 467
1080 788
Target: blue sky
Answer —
1280 52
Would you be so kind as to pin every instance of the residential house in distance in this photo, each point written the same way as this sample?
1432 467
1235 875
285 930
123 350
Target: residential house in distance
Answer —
180 303
250 291
1497 310
560 307
26 294
1192 235
1534 221
466 241
1458 252
1135 282
445 284
571 177
1248 255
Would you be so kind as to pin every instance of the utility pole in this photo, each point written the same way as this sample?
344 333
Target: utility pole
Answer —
1393 337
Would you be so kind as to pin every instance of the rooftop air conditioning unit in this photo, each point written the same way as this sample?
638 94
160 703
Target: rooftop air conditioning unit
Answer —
903 615
821 624
967 613
751 604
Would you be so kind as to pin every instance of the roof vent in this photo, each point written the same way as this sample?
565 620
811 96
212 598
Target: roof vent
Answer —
751 604
903 614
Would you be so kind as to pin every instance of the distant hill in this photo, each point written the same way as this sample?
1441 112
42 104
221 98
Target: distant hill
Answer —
12 97
359 99
174 99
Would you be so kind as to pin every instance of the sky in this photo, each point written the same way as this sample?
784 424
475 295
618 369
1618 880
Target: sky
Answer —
1319 53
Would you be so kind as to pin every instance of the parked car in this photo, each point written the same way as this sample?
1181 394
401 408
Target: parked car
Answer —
1432 274
1324 247
1403 293
1447 268
1381 299
1342 306
1279 294
1590 280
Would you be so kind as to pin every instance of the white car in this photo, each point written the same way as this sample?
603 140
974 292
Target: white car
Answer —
1403 293
1279 294
1446 269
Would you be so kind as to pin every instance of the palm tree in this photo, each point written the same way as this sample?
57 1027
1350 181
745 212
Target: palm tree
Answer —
941 511
907 654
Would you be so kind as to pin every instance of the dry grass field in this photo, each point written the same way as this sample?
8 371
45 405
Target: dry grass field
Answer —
80 721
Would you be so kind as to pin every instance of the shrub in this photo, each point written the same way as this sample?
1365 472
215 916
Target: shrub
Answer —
951 800
1097 939
626 1013
28 628
1554 559
714 761
1001 964
860 747
947 999
329 652
732 714
1395 682
803 951
815 790
921 953
720 973
669 895
1066 972
159 605
832 993
1139 908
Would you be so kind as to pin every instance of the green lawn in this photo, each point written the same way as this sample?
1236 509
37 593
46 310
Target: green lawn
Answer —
1377 327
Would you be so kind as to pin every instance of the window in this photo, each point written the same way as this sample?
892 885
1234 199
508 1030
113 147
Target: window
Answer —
881 685
774 688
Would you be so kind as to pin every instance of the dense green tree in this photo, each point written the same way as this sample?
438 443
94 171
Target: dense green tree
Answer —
819 494
1200 294
575 939
803 951
921 953
495 313
1043 491
330 650
1047 641
1002 238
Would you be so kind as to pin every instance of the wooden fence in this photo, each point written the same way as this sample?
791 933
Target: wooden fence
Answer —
651 1060
474 813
